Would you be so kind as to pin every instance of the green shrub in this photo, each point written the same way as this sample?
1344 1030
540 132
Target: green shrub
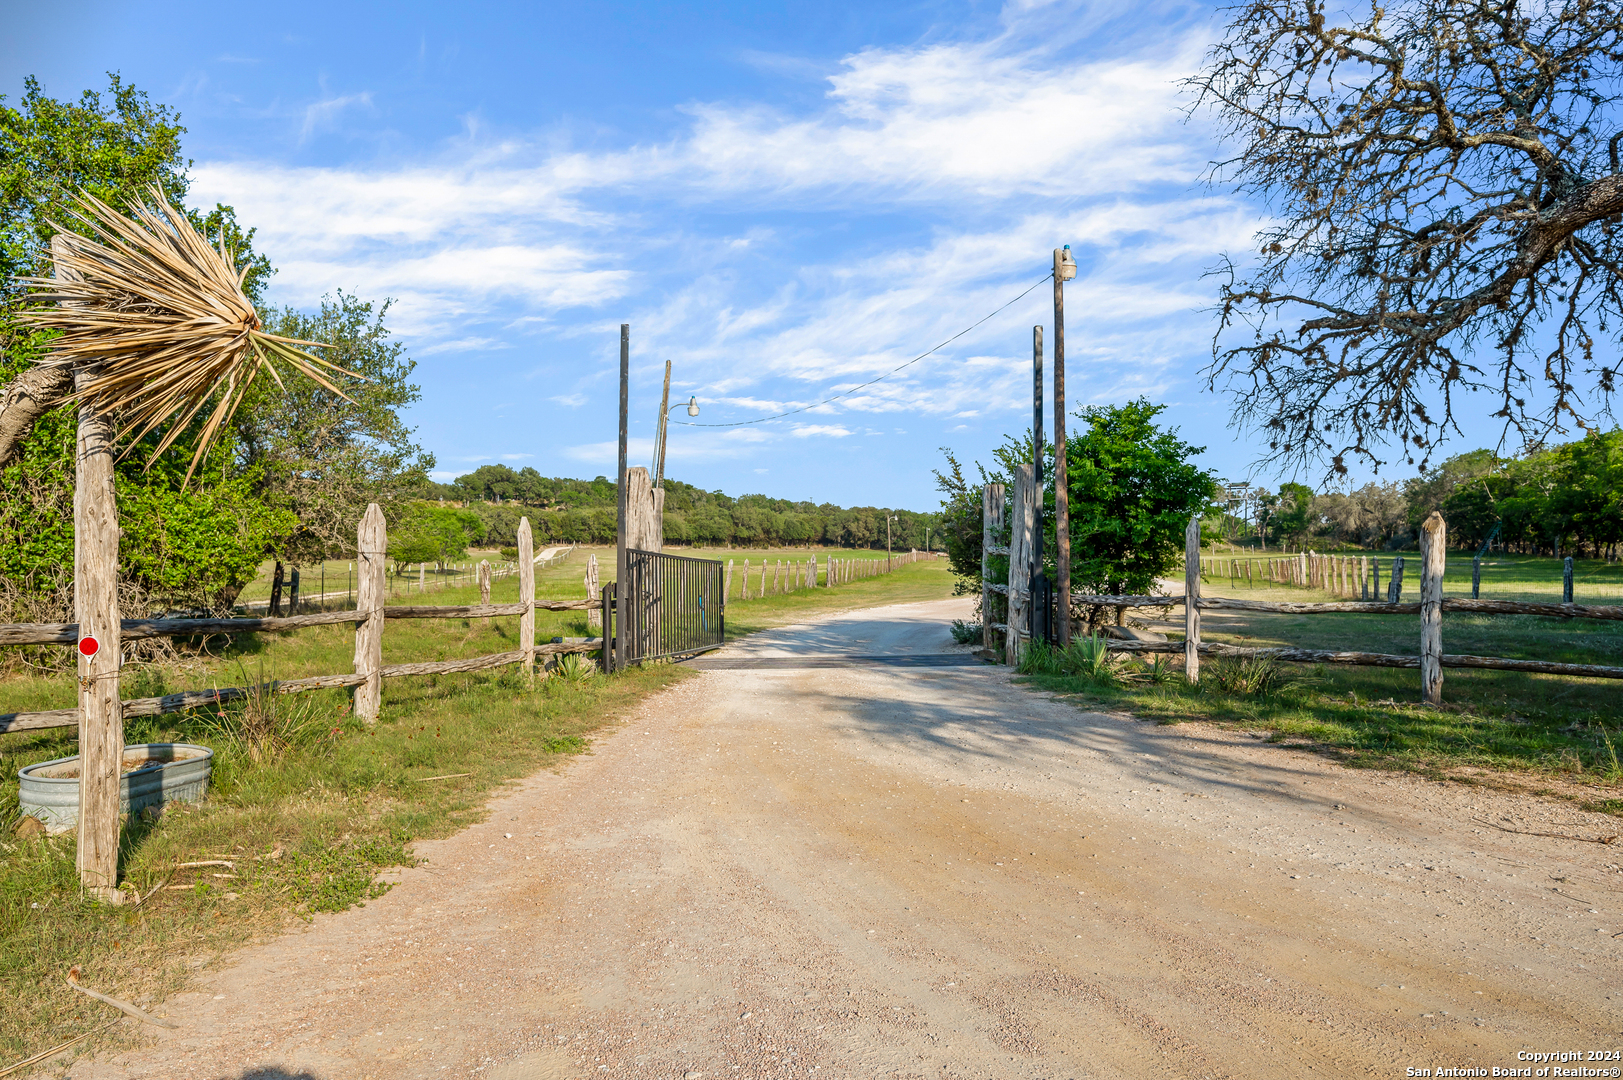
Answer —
965 633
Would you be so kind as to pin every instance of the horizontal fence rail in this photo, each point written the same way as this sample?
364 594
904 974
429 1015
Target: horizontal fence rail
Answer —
367 621
1359 607
1394 660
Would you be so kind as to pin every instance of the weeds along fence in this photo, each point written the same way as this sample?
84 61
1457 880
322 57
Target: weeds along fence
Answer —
369 619
795 575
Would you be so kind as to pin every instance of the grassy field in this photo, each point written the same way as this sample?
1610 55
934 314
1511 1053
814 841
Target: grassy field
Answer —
1559 727
1535 578
308 804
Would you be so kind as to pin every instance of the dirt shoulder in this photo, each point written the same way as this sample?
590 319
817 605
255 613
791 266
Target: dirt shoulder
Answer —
888 870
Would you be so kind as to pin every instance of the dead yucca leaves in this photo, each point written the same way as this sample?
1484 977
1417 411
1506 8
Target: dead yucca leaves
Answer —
158 325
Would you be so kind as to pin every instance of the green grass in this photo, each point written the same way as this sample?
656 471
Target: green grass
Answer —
1510 722
1528 578
308 803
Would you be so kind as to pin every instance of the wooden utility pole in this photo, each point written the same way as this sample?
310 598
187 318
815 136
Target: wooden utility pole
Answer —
526 594
1062 494
1433 553
371 543
95 607
620 644
1191 600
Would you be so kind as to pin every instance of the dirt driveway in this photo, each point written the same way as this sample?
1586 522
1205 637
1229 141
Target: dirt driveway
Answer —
801 867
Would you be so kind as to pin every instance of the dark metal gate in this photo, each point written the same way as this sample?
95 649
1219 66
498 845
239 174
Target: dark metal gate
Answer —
672 606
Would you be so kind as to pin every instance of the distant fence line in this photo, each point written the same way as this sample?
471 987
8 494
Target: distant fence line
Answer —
794 575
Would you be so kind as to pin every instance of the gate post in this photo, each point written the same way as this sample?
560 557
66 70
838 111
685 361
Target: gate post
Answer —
1021 553
991 528
1191 600
95 608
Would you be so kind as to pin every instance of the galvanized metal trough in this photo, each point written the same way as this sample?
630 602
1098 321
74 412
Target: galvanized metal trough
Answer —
154 774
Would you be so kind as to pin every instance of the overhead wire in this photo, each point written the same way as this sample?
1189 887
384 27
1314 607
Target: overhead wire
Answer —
861 386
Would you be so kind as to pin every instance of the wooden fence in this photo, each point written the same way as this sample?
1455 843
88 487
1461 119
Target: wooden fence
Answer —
1354 576
369 618
795 575
1345 575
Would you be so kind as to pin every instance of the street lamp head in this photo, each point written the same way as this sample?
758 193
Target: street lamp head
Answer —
693 406
1064 265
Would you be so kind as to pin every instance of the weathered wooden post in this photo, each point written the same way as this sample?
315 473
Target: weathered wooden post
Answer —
95 607
1566 581
745 595
1476 577
727 583
526 594
484 580
1433 557
594 619
991 529
371 544
1191 600
1394 587
1022 551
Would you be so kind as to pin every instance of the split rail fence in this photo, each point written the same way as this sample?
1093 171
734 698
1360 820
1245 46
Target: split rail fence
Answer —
369 618
1332 573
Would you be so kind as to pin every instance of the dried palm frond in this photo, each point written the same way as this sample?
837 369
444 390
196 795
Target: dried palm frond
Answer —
158 322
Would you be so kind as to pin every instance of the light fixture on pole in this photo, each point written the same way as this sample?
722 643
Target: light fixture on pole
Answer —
1064 270
663 426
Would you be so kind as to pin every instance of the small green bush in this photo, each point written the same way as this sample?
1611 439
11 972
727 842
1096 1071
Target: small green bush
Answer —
965 633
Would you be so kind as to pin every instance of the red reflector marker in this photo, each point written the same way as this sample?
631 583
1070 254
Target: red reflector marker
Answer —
88 646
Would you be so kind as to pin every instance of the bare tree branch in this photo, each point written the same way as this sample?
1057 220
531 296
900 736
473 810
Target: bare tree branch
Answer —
1445 189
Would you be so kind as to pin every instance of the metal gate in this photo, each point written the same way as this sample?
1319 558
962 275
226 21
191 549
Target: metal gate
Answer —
672 606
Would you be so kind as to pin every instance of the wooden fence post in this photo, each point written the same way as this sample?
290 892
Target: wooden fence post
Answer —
991 528
484 581
1433 553
594 619
95 607
1191 600
1566 581
745 595
371 543
526 594
727 583
1022 548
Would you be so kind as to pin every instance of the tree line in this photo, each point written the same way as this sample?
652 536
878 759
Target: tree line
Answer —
491 499
1559 500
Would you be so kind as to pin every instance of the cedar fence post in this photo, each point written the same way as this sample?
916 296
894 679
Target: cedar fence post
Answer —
1566 581
1433 533
484 581
371 541
594 619
1191 600
95 607
526 594
1022 550
991 528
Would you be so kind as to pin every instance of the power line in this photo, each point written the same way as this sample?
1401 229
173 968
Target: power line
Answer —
886 375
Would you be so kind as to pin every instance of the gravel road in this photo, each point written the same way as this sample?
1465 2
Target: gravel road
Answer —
894 869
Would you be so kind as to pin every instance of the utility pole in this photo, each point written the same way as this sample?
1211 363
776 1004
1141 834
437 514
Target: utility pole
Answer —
889 517
1064 270
621 602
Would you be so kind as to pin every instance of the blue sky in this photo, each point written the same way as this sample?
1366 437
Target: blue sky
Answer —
783 200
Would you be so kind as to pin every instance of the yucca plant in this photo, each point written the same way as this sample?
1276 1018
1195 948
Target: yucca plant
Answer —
157 322
1089 657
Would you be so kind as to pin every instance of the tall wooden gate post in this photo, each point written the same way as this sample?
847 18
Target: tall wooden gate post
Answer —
95 606
1022 554
526 594
371 544
1191 600
1433 533
991 528
484 581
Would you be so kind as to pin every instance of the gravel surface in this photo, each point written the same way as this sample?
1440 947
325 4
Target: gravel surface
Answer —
923 871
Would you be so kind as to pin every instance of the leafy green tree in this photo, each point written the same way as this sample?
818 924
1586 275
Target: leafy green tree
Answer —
1292 516
1133 488
425 532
